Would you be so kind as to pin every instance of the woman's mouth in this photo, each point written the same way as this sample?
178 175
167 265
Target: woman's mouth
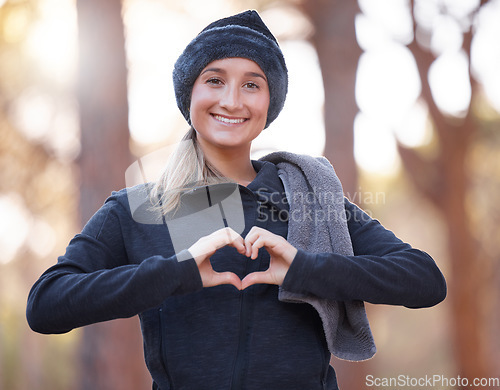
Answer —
232 121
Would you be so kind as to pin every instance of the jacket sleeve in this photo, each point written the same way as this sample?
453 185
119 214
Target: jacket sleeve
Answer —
94 282
383 270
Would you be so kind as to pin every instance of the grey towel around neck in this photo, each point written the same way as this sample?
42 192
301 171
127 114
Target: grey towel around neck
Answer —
317 224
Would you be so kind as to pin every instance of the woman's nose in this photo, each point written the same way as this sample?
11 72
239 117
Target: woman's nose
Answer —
231 98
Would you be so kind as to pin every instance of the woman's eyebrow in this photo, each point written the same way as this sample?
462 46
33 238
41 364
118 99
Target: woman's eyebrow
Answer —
223 71
255 74
216 70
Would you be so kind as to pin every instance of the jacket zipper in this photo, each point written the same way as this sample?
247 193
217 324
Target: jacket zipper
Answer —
239 363
236 382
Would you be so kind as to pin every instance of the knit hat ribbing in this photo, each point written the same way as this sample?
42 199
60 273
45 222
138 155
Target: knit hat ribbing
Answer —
243 35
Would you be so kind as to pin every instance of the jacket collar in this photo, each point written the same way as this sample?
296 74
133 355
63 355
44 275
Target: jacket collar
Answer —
267 185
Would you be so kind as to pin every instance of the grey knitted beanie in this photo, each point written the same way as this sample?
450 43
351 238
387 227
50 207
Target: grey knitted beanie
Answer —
243 35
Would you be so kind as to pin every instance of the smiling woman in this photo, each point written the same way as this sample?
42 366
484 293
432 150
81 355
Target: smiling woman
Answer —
229 106
220 310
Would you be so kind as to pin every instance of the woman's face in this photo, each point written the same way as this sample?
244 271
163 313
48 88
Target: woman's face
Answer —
229 104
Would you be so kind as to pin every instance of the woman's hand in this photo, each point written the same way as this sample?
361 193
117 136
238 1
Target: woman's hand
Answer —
206 246
280 250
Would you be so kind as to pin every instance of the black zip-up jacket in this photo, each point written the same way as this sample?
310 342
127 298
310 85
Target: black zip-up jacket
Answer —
220 338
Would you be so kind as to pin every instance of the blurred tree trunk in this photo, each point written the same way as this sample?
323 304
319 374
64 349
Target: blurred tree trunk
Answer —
443 180
334 38
335 41
111 353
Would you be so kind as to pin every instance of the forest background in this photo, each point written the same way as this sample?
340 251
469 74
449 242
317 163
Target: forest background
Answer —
402 96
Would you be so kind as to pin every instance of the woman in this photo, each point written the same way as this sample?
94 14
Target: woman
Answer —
224 312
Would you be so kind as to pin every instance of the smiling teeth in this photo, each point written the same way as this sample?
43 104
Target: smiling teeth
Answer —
227 120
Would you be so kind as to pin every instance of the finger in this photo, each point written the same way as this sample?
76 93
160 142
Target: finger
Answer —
263 277
259 243
248 245
253 235
238 243
256 241
235 240
225 236
208 245
248 248
219 278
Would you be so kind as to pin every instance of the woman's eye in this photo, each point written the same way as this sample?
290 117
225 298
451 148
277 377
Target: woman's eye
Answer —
214 81
251 85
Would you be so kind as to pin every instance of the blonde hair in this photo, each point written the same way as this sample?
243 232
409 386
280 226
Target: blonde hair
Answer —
186 169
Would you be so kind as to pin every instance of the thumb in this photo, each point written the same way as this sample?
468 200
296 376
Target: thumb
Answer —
262 277
218 278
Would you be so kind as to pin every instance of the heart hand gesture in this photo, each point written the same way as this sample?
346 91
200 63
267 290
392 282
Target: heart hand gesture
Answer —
281 251
206 246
